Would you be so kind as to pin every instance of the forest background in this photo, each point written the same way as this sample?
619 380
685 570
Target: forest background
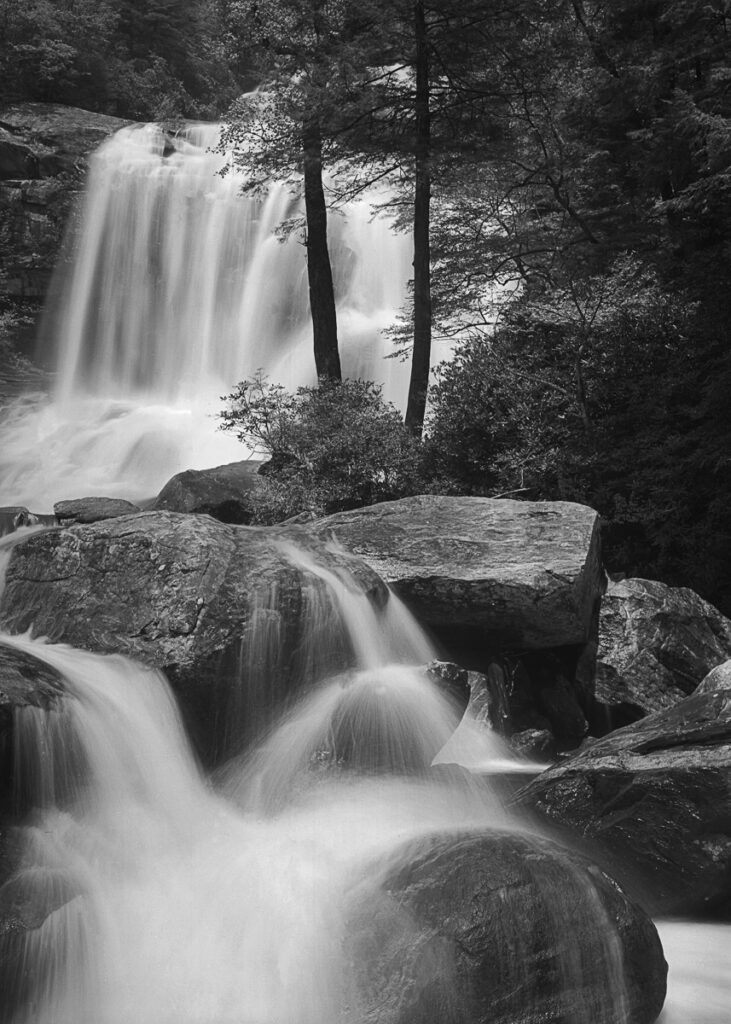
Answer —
577 155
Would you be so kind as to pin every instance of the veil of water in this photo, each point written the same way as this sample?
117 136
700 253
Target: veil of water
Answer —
176 288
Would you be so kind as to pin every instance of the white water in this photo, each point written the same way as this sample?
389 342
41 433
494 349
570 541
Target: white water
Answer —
176 289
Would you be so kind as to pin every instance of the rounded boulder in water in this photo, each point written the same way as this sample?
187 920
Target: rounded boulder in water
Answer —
501 928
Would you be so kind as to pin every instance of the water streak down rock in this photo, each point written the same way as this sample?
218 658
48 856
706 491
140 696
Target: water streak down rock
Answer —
194 597
502 928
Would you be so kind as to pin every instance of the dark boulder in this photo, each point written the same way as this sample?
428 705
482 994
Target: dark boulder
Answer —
534 744
654 801
92 510
525 574
501 928
233 620
226 492
656 643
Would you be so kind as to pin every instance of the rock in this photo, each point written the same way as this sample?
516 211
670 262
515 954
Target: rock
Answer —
12 517
26 681
184 593
452 680
654 801
44 149
225 492
656 643
489 699
500 928
719 678
92 510
526 574
534 744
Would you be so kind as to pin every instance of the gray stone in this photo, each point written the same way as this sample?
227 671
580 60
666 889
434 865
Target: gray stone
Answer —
526 574
719 678
224 492
656 644
654 800
500 928
92 510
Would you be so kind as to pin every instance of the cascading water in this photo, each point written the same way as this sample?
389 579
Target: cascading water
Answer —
177 288
161 900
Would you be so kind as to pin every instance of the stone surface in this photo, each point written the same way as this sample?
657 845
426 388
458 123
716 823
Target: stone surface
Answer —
92 510
183 593
656 643
534 744
526 574
654 801
25 681
224 492
719 678
44 149
500 928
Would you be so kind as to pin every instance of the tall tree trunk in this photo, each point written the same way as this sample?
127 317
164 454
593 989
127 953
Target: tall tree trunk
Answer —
319 271
421 358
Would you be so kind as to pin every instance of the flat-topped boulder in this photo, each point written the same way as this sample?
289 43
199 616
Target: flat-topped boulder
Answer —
218 607
224 492
499 928
92 510
654 800
656 644
526 574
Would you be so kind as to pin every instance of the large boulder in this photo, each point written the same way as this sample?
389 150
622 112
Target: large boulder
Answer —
226 611
501 928
224 492
656 643
654 802
525 574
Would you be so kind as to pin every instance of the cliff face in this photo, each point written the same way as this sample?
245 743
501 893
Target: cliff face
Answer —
44 150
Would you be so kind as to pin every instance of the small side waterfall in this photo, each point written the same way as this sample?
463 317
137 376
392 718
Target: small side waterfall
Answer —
175 288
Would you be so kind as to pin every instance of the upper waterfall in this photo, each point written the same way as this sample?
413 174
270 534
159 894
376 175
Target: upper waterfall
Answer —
175 287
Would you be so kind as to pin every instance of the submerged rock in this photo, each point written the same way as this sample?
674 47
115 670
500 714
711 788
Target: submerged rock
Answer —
224 610
656 643
501 928
526 574
92 510
224 492
654 801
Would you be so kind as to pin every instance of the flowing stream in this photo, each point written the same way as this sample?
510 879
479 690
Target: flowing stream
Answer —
175 288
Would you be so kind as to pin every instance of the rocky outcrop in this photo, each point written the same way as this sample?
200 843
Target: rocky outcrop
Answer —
719 678
225 492
654 801
656 643
499 928
525 574
92 510
217 607
43 153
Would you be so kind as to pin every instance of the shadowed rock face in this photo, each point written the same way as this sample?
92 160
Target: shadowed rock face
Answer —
654 801
92 510
656 643
526 574
184 593
500 928
224 492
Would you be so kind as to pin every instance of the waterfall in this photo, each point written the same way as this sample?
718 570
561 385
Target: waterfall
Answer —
175 288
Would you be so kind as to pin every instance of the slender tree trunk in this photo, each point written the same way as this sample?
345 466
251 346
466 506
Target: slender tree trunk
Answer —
319 271
421 358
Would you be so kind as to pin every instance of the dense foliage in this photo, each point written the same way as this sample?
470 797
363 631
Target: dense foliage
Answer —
332 447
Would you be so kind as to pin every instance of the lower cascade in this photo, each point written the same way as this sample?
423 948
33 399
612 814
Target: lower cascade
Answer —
335 871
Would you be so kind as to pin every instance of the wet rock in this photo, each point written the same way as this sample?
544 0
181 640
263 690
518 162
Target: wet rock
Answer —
525 574
92 510
656 644
654 801
534 744
225 492
26 681
499 928
453 680
222 609
12 517
719 678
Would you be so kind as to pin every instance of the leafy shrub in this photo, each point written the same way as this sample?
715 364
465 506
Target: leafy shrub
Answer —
331 447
